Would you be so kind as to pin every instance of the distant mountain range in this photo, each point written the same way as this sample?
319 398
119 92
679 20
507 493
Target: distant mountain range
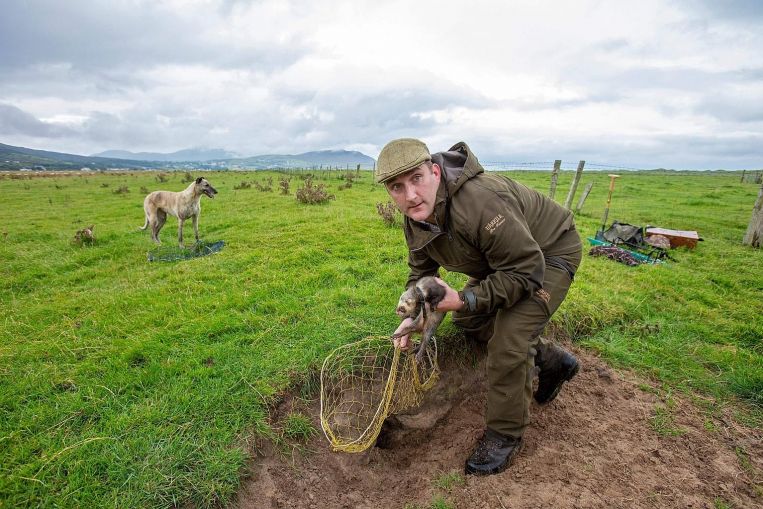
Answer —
16 158
189 154
338 158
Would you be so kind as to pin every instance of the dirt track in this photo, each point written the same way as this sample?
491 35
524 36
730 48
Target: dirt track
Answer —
595 446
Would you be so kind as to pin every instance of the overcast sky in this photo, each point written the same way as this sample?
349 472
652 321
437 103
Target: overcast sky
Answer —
633 83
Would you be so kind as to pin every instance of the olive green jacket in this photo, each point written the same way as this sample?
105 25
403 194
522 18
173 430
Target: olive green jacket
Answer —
490 228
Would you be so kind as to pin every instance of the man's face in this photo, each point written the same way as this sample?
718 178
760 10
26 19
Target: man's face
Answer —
415 192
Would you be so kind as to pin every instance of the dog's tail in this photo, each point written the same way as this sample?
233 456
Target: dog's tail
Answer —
145 225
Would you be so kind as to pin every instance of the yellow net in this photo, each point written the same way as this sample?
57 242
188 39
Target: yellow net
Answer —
364 382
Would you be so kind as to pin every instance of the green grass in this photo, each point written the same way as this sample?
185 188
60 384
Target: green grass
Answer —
298 427
449 480
662 420
438 502
136 384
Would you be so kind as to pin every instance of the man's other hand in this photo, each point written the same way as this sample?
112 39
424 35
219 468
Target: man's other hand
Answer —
451 302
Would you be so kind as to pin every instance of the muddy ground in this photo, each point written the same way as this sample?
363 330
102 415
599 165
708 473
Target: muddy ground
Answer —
609 440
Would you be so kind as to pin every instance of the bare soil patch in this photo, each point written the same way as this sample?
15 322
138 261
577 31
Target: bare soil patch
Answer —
608 440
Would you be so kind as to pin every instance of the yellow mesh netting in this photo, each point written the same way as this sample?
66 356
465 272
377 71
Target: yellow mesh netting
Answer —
364 382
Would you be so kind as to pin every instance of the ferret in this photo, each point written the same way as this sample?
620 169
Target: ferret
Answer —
419 302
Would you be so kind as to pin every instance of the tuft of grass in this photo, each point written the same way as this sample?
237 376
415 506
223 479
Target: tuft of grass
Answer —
662 420
440 502
449 480
720 503
297 426
749 468
663 424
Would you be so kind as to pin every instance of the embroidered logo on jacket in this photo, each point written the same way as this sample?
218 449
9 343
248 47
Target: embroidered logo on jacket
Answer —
495 223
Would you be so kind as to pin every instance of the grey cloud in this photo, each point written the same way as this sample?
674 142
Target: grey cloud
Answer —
14 121
344 115
108 35
731 108
687 151
641 151
744 11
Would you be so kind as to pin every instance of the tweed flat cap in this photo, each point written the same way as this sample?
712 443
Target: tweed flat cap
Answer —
400 156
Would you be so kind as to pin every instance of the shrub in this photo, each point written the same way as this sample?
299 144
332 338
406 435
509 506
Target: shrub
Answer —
121 190
348 178
187 178
242 185
162 177
283 183
85 236
388 212
266 188
144 190
312 194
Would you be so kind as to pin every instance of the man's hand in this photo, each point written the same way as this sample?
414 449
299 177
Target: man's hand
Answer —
451 302
404 341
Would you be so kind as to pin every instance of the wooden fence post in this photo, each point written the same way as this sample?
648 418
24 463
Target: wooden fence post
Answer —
554 177
574 185
742 179
754 235
583 197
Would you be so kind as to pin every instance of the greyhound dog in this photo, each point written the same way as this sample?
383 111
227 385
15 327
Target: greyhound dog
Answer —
182 205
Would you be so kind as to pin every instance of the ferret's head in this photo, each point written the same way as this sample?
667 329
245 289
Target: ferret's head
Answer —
406 306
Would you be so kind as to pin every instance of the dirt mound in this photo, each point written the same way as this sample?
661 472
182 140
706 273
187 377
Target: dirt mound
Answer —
608 440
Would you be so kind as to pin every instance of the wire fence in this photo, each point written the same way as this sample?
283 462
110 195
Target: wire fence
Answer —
549 165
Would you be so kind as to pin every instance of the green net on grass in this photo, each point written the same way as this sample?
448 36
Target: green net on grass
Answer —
176 253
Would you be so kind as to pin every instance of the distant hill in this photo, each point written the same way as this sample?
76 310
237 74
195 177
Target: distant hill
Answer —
325 158
186 155
16 158
224 158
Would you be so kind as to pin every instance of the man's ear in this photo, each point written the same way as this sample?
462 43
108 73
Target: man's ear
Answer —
436 170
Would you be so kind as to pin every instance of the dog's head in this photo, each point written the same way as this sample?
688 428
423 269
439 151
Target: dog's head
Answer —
203 186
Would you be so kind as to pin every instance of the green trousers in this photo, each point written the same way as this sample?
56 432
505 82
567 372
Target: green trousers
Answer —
513 335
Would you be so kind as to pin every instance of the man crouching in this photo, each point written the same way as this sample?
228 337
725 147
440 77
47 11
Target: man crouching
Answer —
521 251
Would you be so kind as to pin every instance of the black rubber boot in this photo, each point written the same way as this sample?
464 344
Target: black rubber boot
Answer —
557 366
493 454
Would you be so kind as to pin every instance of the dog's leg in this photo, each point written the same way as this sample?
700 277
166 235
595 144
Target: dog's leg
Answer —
180 231
196 226
156 225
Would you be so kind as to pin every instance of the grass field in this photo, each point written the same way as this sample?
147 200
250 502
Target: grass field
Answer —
133 384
